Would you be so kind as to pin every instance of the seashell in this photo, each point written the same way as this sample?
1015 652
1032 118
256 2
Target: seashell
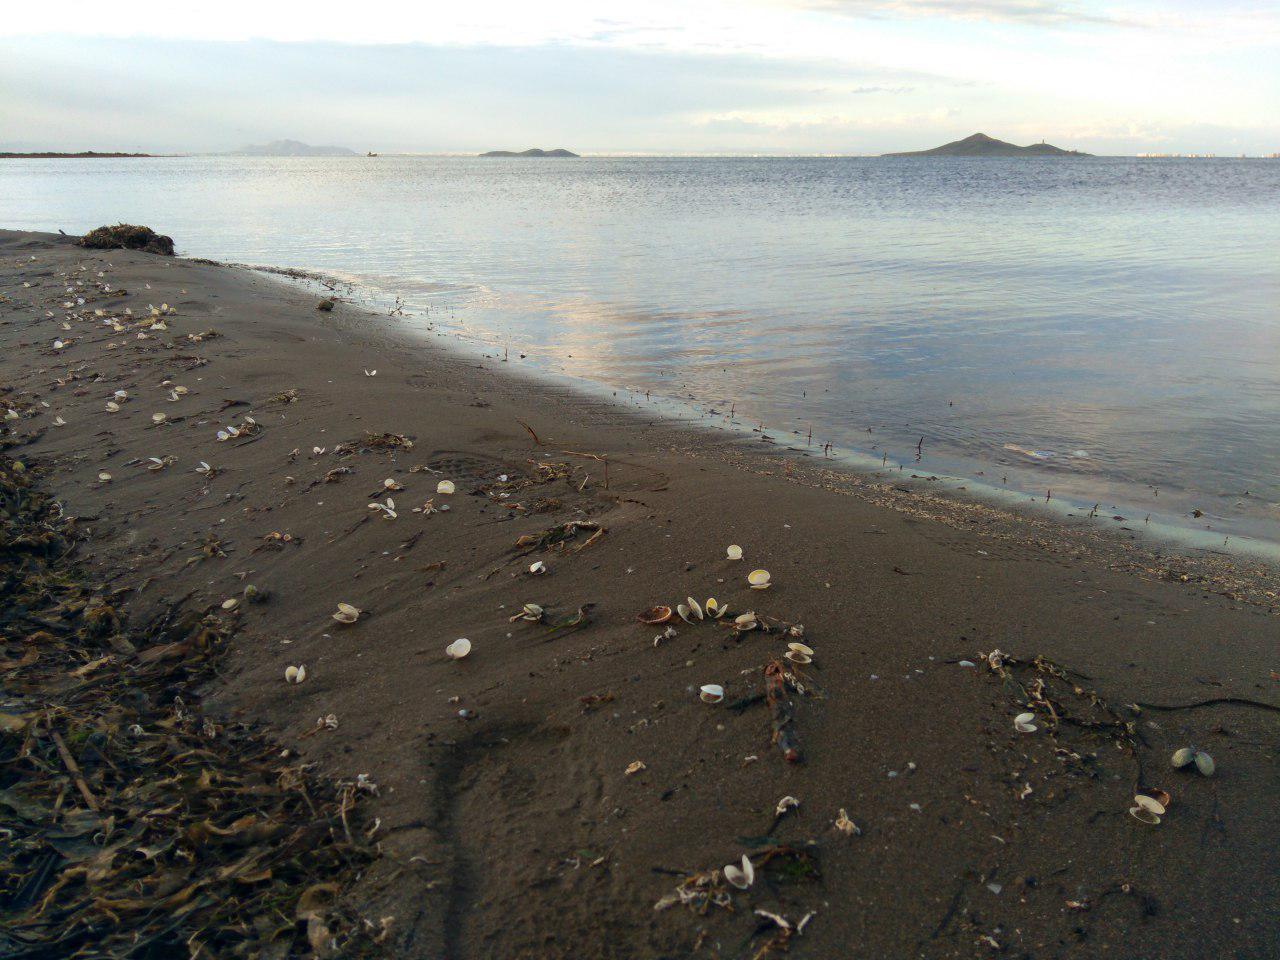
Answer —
390 484
685 613
113 407
458 649
1024 723
1204 763
58 344
158 418
695 608
733 552
745 621
531 611
759 579
104 477
796 656
1149 803
230 604
121 394
845 825
711 693
346 613
655 615
785 804
634 767
388 509
155 464
741 877
715 609
11 414
203 468
1144 815
371 373
537 568
445 487
800 648
295 674
1183 757
59 422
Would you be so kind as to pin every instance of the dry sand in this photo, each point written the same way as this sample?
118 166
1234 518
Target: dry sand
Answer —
514 830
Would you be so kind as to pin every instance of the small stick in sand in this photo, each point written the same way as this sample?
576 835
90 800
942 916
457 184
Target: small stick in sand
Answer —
536 441
74 769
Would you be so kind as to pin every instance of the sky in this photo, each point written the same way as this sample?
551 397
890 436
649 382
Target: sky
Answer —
644 76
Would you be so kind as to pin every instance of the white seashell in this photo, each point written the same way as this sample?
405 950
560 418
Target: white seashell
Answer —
157 418
1204 763
1183 757
113 407
295 674
1023 723
537 568
230 604
733 552
104 477
745 621
121 394
694 608
759 579
223 435
685 613
531 611
445 487
1150 804
785 804
715 609
711 693
371 373
390 484
203 468
741 877
800 648
634 767
846 826
346 613
1144 815
11 414
58 344
59 422
458 649
155 464
796 657
317 450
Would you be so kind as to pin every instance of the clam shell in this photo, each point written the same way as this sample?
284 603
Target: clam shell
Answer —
1183 757
158 418
1144 815
231 603
715 609
796 657
800 648
733 552
104 477
295 674
445 487
346 613
741 877
655 615
711 693
1149 803
1204 763
685 613
537 568
112 406
458 649
759 579
745 621
695 608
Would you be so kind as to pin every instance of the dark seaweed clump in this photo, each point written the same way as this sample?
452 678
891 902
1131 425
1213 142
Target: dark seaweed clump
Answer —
128 236
133 824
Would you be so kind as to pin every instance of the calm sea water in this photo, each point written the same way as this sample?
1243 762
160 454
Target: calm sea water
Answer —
1107 328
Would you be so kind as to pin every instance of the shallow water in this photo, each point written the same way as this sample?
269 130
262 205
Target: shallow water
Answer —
1107 328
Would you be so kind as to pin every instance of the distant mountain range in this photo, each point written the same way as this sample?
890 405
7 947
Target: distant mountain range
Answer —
535 152
291 148
980 145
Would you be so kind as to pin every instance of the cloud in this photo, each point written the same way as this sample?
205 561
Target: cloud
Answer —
1042 13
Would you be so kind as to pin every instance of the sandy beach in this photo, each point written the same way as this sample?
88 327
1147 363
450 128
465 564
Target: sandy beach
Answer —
563 790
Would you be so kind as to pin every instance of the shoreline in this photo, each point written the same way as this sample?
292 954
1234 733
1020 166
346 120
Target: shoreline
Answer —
514 829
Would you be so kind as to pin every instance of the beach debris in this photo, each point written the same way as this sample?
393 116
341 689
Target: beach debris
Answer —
387 510
847 826
745 622
785 805
654 615
711 693
531 612
371 373
690 610
1187 756
391 484
743 876
445 487
458 649
733 552
325 305
346 613
557 535
296 674
634 767
714 608
537 568
668 634
783 710
1024 723
127 236
759 579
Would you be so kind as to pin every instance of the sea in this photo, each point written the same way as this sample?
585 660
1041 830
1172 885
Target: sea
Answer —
1099 336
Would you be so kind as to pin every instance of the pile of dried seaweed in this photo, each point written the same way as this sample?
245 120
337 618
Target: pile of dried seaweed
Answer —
128 236
132 825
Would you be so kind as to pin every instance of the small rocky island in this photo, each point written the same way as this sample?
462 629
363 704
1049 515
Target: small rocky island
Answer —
980 145
535 152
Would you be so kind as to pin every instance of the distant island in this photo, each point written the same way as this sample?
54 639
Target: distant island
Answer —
291 148
980 145
535 152
68 156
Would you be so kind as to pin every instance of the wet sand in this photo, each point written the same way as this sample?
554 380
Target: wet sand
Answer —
513 829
